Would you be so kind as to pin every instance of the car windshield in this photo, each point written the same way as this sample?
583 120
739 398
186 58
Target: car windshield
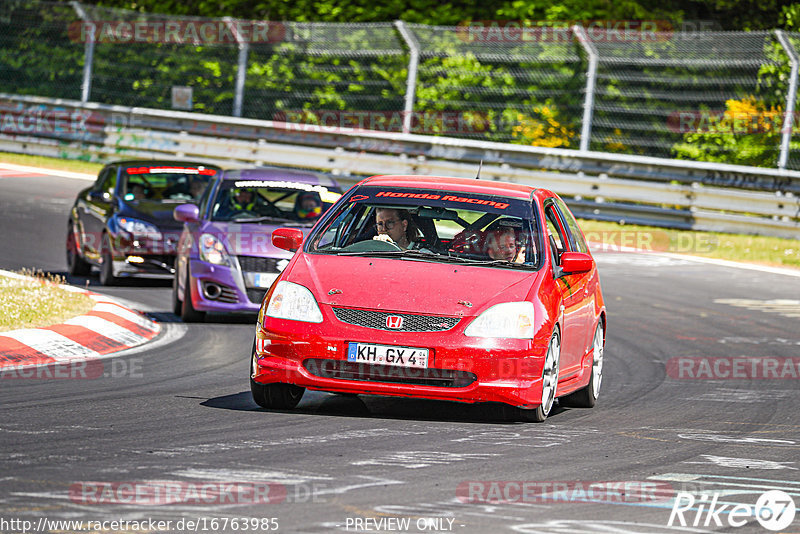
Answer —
272 201
432 225
165 183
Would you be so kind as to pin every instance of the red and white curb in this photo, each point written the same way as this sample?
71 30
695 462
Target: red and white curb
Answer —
109 327
12 170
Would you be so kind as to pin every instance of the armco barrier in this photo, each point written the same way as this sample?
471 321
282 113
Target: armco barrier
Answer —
643 190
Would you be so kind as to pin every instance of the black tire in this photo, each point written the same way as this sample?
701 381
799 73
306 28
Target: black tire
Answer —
107 277
549 386
177 304
76 265
274 396
188 313
587 397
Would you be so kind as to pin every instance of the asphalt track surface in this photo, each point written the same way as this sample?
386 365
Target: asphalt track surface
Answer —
180 411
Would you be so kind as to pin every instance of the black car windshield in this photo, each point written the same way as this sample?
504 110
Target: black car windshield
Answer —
271 201
432 225
165 183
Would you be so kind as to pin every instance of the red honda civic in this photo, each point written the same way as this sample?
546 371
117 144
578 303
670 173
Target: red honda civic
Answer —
437 288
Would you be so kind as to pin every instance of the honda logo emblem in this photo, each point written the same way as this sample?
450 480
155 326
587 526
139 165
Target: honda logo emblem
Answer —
394 321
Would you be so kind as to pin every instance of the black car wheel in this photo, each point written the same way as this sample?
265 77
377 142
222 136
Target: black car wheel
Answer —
587 397
76 265
177 304
549 386
274 396
107 277
188 313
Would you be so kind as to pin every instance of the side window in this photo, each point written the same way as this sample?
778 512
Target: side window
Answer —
101 178
555 229
109 183
577 242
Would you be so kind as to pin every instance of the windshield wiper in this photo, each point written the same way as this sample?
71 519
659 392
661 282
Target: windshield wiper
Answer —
263 218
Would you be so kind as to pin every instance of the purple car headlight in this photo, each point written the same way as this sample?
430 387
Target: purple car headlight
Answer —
212 250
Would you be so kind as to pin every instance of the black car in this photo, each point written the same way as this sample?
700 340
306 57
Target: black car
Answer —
123 223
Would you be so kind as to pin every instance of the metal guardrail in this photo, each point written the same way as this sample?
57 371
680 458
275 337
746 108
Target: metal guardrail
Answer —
643 190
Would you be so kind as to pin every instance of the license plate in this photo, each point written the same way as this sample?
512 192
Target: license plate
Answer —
264 280
387 355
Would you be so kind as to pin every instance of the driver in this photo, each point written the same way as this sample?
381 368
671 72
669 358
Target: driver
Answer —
396 226
501 244
242 200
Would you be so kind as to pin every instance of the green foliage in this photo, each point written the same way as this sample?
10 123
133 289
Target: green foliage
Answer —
747 133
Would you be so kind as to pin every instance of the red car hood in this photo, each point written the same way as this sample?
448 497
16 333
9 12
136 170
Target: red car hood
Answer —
409 286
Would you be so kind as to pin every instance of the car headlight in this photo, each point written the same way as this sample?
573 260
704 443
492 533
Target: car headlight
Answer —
212 250
295 302
139 229
509 320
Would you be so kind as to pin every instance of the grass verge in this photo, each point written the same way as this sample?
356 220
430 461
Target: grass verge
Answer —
38 302
762 250
51 163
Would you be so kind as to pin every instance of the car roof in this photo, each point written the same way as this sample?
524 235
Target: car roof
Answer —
278 174
467 185
142 162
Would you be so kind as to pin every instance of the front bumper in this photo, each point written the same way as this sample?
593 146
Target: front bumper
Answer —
225 289
460 368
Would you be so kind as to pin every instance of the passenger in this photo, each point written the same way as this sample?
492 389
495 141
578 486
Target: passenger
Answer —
309 206
396 226
138 191
501 244
197 188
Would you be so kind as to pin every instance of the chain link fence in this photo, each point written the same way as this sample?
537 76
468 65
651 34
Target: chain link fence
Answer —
729 97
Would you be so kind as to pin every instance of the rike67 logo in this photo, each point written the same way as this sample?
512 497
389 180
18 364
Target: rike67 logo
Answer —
774 510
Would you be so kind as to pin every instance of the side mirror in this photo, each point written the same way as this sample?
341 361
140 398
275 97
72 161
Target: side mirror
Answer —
99 196
188 213
287 238
576 262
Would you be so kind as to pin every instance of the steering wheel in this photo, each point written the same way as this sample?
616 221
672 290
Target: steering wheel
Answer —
372 245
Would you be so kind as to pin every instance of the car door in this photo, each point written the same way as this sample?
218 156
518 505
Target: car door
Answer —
572 288
585 284
98 204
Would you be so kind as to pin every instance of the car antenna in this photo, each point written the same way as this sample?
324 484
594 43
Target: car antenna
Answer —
480 166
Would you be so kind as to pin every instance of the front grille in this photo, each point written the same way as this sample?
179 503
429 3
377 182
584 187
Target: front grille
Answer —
256 295
255 264
344 370
411 323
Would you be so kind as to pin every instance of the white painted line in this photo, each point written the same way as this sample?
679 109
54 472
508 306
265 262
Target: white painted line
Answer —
49 172
170 333
598 247
52 344
736 265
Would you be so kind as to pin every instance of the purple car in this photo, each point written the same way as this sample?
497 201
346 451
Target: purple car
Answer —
226 260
